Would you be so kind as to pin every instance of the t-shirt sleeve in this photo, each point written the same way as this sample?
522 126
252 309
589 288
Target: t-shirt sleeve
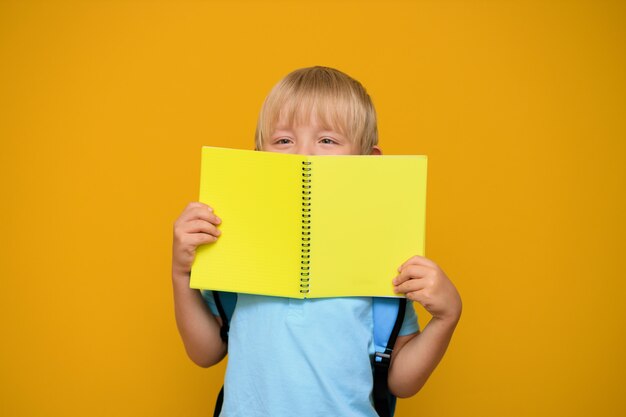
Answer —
210 301
410 324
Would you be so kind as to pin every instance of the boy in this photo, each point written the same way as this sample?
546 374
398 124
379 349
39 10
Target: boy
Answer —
292 357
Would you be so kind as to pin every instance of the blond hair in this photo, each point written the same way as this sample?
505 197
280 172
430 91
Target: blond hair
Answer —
338 101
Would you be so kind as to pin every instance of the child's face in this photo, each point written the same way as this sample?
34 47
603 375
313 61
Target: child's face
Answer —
308 139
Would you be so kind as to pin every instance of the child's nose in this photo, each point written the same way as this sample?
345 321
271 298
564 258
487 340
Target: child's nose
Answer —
305 149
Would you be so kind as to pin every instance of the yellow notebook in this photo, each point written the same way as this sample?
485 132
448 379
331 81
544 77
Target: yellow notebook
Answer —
310 226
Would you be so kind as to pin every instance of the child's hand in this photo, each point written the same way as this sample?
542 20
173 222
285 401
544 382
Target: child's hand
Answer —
195 226
421 280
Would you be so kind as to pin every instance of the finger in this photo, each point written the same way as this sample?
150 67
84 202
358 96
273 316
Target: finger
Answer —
203 213
190 210
208 216
410 286
418 260
197 223
198 204
201 226
418 296
411 272
202 238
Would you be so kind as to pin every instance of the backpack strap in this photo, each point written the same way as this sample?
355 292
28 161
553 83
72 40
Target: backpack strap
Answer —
388 314
225 303
218 403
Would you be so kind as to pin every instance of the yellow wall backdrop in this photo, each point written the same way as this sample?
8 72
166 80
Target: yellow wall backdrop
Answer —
520 106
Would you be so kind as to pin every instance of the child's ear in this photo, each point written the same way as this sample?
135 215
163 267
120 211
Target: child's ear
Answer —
376 151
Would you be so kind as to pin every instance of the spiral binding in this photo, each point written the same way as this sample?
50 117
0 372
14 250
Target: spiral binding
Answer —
305 257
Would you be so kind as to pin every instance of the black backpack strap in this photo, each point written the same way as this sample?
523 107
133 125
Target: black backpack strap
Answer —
225 320
384 402
218 403
228 303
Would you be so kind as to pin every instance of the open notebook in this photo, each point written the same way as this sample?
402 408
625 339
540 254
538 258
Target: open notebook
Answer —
310 226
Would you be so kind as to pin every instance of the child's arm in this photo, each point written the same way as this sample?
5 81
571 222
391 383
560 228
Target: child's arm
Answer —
198 328
416 356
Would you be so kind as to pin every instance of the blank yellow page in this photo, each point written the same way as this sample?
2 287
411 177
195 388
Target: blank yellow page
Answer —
257 196
368 217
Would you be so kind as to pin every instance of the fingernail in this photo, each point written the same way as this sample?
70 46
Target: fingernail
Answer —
218 220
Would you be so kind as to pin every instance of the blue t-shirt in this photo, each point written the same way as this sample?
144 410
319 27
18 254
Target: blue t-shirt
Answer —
291 357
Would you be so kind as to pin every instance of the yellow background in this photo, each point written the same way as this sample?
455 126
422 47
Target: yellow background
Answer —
520 106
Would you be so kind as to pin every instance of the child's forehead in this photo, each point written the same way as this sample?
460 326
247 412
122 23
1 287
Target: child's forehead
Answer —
290 118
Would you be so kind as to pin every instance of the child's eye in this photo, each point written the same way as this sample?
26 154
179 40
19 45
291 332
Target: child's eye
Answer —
328 141
282 141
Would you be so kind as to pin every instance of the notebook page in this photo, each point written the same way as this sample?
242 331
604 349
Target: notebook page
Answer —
368 217
257 196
